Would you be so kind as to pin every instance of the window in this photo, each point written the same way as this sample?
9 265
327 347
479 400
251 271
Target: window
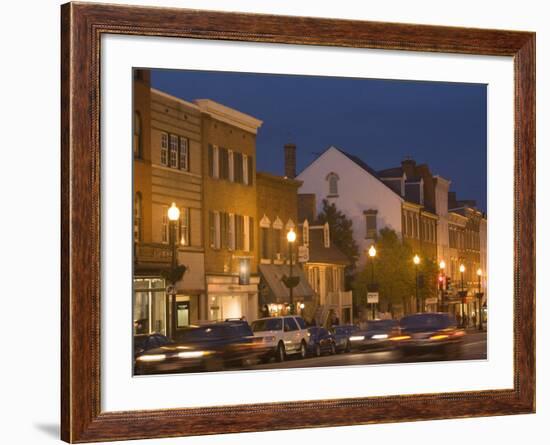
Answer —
214 229
332 179
290 325
264 232
137 217
239 232
223 163
184 153
164 225
224 230
184 231
371 228
238 167
137 135
173 151
277 234
164 148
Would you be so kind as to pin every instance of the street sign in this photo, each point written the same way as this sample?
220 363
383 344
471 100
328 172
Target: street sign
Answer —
372 297
431 300
303 254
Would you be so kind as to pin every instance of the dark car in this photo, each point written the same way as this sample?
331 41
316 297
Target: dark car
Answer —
320 341
433 332
341 334
210 347
376 335
145 342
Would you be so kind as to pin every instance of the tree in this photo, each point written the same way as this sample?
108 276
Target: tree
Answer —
341 234
393 269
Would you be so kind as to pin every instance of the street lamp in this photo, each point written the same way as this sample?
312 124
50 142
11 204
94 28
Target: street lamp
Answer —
372 255
416 261
479 296
291 238
441 280
173 217
462 296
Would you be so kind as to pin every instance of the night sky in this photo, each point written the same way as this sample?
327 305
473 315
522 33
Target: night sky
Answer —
381 121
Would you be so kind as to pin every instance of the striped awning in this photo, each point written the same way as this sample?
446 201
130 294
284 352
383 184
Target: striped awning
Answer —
275 290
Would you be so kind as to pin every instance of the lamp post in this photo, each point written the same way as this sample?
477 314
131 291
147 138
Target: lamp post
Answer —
462 296
416 261
372 255
479 296
291 238
173 218
441 278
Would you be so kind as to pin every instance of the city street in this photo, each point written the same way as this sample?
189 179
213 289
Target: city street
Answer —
474 348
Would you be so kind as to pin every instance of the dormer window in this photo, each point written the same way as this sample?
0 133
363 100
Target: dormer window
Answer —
332 179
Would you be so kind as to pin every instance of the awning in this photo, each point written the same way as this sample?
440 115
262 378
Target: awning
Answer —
273 290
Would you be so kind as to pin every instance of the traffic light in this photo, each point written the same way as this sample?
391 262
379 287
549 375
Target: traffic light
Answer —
441 282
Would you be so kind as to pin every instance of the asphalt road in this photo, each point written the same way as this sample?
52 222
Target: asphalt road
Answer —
473 348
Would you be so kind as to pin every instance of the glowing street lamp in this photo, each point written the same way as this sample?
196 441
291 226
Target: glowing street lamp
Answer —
441 281
291 238
416 261
372 255
462 295
479 296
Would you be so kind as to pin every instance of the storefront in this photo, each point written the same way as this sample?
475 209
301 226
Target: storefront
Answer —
275 296
229 299
149 306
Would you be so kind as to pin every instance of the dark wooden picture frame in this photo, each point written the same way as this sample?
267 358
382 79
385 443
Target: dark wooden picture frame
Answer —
82 26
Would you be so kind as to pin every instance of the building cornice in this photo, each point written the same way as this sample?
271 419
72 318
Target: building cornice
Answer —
229 115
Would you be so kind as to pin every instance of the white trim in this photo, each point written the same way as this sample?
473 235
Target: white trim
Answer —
229 115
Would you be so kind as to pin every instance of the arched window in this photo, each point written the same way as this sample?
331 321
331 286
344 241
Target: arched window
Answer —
138 215
332 179
137 135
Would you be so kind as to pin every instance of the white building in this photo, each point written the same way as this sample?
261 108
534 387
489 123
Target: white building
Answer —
356 190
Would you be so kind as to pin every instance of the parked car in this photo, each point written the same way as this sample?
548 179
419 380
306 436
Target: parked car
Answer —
145 342
283 336
433 332
342 334
320 341
376 335
210 347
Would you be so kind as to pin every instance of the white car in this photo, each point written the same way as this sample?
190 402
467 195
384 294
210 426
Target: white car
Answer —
283 335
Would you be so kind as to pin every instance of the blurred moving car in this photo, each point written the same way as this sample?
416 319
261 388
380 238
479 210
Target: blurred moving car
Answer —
209 347
145 342
342 334
283 336
376 336
320 341
432 332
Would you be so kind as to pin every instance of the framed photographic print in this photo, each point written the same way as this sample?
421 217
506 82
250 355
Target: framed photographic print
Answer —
279 222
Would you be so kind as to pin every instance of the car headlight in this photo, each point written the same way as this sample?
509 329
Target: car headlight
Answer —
151 358
379 336
192 354
357 338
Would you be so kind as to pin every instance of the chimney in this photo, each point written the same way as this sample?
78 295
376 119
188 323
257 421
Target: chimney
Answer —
290 161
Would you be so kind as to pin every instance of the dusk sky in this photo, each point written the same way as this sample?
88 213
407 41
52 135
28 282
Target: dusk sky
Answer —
381 121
